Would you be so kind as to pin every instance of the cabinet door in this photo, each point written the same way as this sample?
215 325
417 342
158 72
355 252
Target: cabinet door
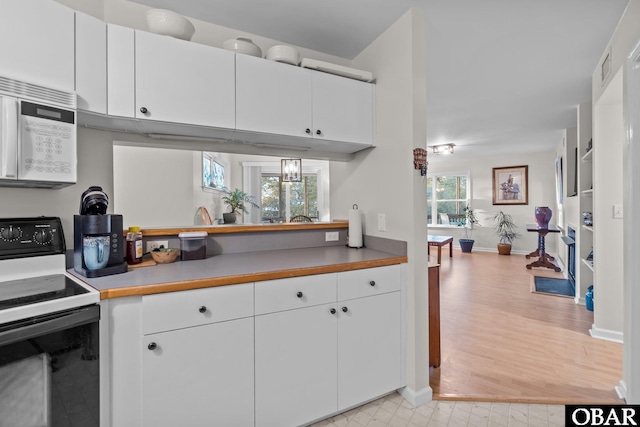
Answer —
37 43
200 376
91 63
295 366
121 83
369 348
272 97
184 82
342 109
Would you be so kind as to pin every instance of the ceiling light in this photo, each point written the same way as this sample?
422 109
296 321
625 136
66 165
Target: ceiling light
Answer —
443 149
291 170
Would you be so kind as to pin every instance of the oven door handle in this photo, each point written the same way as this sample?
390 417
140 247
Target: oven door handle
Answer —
43 325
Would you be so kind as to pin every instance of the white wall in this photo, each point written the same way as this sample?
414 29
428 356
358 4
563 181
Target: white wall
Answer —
608 137
383 181
541 193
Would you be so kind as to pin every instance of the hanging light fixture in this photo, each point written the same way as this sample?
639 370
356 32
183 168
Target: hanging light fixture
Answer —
443 149
291 170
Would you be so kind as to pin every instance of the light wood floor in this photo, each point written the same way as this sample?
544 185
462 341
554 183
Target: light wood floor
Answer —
501 342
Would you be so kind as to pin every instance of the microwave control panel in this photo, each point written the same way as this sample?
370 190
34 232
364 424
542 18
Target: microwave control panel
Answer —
47 149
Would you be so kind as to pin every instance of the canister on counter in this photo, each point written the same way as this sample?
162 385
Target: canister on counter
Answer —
193 245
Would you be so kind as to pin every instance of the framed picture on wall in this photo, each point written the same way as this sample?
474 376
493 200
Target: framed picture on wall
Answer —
511 186
212 173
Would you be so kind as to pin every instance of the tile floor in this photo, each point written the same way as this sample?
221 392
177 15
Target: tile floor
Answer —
392 410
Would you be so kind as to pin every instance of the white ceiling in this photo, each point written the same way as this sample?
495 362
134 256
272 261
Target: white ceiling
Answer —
503 76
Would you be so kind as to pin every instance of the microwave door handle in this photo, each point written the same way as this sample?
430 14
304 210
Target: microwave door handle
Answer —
9 137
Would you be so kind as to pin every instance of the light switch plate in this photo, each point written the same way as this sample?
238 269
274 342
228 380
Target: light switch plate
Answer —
617 211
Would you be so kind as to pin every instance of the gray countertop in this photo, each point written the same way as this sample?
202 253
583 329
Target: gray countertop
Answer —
236 268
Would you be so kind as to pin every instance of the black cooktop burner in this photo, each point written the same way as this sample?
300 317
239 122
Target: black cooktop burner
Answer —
17 293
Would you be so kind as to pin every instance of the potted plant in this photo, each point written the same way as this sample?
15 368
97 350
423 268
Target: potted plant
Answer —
467 222
237 201
506 231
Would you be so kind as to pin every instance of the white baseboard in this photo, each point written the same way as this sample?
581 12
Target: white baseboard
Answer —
580 301
417 398
605 334
621 390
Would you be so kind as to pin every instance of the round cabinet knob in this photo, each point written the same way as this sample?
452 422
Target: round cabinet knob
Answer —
372 283
308 131
345 309
202 309
318 132
152 346
143 110
299 294
332 311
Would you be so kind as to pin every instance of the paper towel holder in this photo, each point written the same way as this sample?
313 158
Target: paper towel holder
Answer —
355 227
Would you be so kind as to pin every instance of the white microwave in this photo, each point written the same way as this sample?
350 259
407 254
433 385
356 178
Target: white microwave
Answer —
38 145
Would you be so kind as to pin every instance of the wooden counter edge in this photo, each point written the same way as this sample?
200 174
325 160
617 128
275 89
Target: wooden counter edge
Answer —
249 228
245 278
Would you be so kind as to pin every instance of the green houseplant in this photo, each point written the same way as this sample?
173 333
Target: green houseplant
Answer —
506 230
237 200
467 222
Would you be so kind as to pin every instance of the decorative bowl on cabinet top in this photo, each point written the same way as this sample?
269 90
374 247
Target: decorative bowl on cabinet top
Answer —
286 54
168 23
243 45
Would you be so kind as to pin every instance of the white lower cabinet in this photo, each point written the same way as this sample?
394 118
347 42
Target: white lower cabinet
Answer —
369 348
295 366
277 353
315 361
200 376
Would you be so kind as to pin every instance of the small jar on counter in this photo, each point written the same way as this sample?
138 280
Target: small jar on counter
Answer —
134 246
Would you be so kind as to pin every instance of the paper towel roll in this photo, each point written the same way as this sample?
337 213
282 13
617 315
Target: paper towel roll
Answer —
355 228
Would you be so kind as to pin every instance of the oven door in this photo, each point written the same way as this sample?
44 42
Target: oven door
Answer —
49 373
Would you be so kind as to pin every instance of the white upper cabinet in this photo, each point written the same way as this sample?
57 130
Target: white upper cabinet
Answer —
281 99
272 97
37 42
91 63
183 82
342 109
121 83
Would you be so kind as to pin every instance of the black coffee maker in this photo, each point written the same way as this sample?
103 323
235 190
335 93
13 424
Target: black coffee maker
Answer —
98 241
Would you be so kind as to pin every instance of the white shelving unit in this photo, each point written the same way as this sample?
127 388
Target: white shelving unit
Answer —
585 234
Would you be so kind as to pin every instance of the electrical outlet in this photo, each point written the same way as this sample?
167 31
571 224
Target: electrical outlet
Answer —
155 244
331 236
382 222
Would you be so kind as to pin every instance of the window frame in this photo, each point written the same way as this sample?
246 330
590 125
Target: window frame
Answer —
434 202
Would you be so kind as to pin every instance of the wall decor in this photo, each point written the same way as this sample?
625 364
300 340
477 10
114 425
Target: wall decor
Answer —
511 185
212 173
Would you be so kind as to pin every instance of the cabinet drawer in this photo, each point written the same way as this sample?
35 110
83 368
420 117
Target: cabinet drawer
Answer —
369 281
176 310
299 292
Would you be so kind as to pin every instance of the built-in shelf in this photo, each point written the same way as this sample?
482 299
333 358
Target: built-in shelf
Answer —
587 192
588 227
587 157
588 264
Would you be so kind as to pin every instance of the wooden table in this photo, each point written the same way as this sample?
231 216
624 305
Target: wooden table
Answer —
440 241
544 259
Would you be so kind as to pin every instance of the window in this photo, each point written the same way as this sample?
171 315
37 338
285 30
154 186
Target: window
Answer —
447 195
300 197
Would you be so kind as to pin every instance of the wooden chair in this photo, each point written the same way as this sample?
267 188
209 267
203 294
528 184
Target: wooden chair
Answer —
204 214
300 218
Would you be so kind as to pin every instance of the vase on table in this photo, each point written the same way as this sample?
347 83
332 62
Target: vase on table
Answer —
543 216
